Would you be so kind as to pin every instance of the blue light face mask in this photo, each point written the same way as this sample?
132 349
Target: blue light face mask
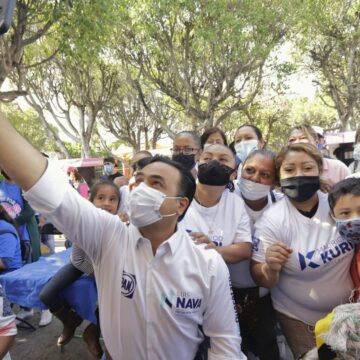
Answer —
349 229
108 169
244 148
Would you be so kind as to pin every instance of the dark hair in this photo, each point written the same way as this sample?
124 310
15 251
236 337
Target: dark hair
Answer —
78 176
192 134
309 149
343 187
187 185
110 159
5 216
255 128
96 187
138 165
204 137
263 152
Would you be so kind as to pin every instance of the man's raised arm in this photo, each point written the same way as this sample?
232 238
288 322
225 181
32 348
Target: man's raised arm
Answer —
94 230
20 160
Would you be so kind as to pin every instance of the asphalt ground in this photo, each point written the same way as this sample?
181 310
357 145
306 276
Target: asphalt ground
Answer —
41 343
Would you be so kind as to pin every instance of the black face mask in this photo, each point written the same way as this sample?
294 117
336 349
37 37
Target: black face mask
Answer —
300 188
186 160
214 173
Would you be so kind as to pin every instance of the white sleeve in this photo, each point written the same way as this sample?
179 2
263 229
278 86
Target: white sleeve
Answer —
220 320
265 235
92 229
243 231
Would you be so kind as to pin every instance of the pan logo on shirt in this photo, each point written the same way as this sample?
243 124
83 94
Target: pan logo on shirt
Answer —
327 255
181 303
128 284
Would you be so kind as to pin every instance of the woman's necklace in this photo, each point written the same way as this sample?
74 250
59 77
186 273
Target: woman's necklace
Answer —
212 222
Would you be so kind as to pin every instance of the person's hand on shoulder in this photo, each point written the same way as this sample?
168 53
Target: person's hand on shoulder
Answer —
201 238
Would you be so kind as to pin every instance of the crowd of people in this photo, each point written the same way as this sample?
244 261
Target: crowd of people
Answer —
204 254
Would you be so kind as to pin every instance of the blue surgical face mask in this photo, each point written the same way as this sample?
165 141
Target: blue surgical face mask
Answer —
108 169
244 148
349 229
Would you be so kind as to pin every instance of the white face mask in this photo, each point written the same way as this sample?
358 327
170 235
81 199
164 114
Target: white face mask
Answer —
144 205
356 153
252 190
244 148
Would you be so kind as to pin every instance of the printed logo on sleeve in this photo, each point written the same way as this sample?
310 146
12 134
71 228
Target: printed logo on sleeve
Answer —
128 284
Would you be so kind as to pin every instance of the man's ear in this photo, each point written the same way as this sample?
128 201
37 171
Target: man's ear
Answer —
183 205
233 175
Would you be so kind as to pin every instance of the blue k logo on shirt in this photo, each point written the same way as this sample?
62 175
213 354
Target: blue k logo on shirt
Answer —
305 261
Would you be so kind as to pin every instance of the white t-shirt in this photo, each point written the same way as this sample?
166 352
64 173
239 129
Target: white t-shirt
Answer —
316 277
246 280
150 306
225 223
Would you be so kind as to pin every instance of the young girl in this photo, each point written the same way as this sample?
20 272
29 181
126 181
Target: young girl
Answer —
10 260
104 195
10 253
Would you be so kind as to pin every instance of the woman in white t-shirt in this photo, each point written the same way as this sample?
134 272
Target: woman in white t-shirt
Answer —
255 311
215 216
297 251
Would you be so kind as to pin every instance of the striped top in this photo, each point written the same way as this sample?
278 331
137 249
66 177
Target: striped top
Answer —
80 260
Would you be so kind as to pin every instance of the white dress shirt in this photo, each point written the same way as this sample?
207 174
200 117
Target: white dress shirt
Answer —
150 306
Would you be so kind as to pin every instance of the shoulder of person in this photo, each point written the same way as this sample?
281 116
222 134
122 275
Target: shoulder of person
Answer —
324 204
232 197
210 256
275 196
6 228
280 206
335 163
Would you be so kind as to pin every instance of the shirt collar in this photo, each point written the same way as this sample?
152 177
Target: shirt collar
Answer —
173 242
